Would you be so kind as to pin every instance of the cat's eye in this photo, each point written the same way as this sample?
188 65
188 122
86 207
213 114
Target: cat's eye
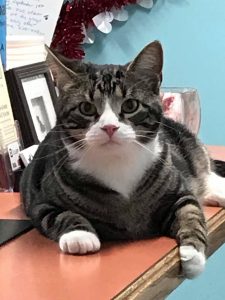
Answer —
87 109
130 106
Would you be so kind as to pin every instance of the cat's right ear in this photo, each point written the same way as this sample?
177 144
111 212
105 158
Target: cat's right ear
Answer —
61 73
150 59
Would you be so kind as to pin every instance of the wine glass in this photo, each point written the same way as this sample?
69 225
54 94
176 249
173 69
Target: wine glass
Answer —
183 105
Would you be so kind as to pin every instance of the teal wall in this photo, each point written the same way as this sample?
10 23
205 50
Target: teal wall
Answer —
193 36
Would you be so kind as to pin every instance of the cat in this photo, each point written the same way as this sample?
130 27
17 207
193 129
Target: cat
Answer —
114 168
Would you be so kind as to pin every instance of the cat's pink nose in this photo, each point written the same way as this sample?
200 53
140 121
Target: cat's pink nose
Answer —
109 129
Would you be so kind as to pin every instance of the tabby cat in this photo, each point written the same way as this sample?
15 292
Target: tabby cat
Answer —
113 168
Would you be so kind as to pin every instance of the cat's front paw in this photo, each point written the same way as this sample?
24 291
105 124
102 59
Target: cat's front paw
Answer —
79 242
192 261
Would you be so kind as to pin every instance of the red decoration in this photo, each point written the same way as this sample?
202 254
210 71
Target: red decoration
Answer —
68 35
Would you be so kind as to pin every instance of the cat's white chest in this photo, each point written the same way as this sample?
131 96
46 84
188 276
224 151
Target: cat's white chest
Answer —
120 173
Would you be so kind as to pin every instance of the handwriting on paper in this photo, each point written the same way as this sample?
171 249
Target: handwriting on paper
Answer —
31 17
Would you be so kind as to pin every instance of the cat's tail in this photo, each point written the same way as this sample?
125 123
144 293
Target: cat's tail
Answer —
219 167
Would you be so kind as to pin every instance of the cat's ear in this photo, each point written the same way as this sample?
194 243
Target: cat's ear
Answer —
57 64
149 59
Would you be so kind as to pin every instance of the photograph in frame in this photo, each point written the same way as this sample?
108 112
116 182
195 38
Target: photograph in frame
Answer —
33 97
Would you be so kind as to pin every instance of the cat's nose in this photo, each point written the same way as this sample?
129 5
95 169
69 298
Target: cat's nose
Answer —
110 129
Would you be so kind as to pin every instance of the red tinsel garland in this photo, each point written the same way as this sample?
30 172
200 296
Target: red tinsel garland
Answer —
68 35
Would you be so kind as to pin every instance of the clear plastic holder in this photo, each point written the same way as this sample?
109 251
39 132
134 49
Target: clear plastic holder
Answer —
182 104
6 173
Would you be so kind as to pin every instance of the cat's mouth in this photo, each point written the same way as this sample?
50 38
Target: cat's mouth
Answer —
110 143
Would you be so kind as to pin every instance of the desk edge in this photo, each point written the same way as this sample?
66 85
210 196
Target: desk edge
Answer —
161 279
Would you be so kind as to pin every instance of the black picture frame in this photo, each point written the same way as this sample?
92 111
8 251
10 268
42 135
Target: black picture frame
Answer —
26 80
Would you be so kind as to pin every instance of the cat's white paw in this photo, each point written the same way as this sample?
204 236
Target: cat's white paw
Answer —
192 261
215 190
79 242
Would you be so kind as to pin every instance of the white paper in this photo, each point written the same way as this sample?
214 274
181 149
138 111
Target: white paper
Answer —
14 150
27 154
29 17
40 104
24 49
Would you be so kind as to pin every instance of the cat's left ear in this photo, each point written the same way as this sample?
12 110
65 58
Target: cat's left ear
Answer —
149 59
58 65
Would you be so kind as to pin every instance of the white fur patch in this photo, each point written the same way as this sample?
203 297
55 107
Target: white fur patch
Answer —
192 261
96 136
79 242
120 172
215 190
118 162
108 117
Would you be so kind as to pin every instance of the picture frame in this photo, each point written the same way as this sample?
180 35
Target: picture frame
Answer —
33 97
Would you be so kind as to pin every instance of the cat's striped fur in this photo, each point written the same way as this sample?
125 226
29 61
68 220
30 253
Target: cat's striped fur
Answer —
148 179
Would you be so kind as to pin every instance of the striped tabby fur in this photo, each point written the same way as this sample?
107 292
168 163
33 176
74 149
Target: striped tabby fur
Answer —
114 168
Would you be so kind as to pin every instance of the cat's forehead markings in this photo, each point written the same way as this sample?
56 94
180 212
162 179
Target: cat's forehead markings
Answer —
97 93
118 91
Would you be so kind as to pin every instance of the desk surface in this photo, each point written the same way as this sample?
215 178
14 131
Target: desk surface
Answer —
32 267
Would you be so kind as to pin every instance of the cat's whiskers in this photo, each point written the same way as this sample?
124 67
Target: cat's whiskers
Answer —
129 135
85 153
61 130
176 131
92 138
62 161
64 158
165 163
147 131
161 123
60 125
74 144
144 136
60 139
63 148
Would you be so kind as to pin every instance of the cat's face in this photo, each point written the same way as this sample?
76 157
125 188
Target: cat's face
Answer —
110 107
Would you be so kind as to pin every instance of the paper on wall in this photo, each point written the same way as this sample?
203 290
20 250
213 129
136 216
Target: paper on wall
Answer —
7 128
29 17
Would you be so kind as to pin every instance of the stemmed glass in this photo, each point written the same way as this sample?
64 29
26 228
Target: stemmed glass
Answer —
183 105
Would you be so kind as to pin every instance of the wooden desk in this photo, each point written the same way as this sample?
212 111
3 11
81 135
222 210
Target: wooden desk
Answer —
32 267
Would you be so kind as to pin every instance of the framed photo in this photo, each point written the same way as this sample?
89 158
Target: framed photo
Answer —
33 96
